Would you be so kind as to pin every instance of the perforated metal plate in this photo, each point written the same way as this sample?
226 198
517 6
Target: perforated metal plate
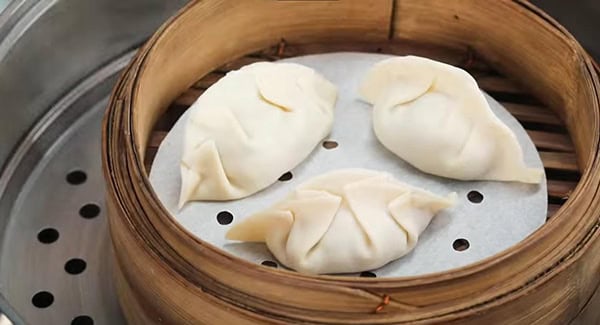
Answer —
507 213
56 261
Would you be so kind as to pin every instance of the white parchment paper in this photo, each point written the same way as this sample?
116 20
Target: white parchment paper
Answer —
508 213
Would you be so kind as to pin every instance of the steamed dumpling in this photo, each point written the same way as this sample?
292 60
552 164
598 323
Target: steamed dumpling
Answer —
434 116
344 221
252 126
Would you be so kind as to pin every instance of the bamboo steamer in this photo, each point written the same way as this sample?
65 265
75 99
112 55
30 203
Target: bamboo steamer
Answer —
166 275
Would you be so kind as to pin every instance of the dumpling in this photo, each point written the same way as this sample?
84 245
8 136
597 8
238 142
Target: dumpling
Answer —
434 116
344 221
252 126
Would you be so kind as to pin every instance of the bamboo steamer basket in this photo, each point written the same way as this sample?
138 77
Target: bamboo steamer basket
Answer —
518 54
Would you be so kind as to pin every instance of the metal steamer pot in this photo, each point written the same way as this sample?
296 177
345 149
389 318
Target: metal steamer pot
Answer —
58 62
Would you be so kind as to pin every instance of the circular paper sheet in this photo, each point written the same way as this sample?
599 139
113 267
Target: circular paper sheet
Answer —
508 213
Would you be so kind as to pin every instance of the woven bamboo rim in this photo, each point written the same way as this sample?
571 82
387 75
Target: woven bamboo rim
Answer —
164 274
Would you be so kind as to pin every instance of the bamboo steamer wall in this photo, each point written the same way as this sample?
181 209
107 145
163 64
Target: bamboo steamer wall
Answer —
166 275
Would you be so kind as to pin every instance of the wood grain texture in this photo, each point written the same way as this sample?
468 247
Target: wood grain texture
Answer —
169 276
562 161
551 141
532 114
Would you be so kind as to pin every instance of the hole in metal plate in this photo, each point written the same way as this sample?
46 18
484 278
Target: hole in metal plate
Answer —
48 236
89 211
76 177
75 266
42 299
82 320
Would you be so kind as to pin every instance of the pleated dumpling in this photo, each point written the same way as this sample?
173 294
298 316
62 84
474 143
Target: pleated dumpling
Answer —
434 116
252 126
344 221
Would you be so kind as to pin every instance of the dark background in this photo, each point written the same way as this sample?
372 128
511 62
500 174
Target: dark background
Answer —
580 17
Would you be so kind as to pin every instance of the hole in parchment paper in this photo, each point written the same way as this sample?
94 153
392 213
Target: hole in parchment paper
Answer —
76 177
48 235
224 217
330 144
367 274
461 244
42 299
269 264
475 197
286 177
82 320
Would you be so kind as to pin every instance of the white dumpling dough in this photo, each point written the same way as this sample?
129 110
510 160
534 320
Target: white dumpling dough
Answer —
344 221
434 116
252 126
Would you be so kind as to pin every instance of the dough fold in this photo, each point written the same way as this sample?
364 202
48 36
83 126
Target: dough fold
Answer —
344 221
433 116
252 126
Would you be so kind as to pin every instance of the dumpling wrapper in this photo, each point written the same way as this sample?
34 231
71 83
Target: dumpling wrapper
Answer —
434 116
252 126
344 221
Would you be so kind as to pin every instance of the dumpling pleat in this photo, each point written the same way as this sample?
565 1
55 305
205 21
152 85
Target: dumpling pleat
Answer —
427 127
344 221
262 226
312 218
207 156
263 120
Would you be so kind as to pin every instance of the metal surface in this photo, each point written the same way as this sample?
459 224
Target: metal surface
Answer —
48 51
58 43
3 4
35 184
508 213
